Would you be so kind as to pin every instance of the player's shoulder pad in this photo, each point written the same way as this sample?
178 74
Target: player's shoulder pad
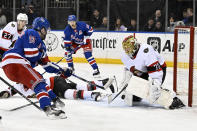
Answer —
147 48
12 24
81 24
32 35
67 29
32 32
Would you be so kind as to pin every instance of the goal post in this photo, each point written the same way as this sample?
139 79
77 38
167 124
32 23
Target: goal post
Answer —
184 62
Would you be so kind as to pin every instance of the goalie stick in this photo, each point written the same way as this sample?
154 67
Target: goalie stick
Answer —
110 99
20 94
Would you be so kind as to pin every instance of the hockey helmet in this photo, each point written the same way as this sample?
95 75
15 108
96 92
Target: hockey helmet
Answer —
41 22
72 18
22 16
130 45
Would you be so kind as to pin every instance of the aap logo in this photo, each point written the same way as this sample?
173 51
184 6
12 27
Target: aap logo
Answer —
155 42
51 42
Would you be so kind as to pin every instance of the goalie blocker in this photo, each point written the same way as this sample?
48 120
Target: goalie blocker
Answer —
151 91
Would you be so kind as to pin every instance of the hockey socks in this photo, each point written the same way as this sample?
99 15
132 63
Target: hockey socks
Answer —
91 60
77 94
44 94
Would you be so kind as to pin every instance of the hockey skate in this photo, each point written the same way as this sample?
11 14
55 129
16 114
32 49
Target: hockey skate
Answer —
96 96
73 69
57 103
5 94
107 83
96 74
54 113
176 104
99 96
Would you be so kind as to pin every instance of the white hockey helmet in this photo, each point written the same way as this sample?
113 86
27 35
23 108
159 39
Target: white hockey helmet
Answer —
22 16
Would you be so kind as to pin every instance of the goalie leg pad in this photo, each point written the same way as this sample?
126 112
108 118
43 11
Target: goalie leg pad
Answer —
138 87
165 99
141 88
126 77
128 99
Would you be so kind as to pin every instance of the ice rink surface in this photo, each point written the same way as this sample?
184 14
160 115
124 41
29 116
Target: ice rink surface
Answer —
97 116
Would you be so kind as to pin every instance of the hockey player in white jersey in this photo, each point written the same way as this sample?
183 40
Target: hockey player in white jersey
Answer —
9 34
143 63
68 90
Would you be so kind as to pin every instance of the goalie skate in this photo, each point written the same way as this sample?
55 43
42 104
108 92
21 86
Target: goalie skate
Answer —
176 104
53 113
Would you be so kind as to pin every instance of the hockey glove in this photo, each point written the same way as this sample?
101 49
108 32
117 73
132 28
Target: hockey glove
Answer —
67 72
70 49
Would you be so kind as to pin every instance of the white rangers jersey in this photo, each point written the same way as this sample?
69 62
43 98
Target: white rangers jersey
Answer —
8 35
147 60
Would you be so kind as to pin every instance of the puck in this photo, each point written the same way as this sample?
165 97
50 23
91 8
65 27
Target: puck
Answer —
0 117
122 97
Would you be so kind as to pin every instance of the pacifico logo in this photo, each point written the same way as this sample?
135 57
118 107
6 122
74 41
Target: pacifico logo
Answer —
51 42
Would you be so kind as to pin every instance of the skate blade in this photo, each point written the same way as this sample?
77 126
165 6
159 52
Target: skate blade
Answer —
97 77
53 117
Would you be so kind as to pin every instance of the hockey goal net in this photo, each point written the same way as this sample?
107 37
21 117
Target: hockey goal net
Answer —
185 64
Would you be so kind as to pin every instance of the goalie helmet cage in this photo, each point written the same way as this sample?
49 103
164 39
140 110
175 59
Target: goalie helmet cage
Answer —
185 63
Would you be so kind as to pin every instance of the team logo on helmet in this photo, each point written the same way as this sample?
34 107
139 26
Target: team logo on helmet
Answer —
51 42
72 18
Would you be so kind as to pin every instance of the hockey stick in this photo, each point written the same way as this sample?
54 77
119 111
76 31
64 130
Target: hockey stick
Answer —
20 93
116 82
20 107
112 99
80 78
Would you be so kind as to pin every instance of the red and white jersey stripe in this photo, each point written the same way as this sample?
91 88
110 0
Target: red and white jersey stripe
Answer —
13 58
31 52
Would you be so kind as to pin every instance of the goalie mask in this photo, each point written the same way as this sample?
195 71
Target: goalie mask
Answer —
130 46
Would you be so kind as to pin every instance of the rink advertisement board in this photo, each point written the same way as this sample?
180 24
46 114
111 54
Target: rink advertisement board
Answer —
107 46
